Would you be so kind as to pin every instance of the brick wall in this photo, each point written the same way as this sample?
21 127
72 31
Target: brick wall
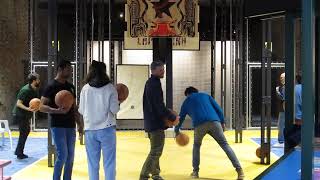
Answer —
13 52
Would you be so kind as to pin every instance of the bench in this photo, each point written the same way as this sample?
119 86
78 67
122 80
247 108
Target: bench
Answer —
4 163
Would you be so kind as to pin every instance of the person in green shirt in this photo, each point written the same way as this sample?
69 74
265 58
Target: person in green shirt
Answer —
23 113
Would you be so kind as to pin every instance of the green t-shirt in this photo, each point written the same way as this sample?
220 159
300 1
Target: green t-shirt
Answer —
25 94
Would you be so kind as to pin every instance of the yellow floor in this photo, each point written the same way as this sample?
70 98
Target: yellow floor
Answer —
132 149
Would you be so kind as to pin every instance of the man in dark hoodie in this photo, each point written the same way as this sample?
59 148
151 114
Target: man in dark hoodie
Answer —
63 121
155 112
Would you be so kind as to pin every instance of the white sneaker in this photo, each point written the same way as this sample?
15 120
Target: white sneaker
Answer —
278 145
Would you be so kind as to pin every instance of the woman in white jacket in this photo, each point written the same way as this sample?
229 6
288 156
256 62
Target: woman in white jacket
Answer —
98 106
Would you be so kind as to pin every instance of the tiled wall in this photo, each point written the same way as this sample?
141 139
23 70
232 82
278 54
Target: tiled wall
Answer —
190 68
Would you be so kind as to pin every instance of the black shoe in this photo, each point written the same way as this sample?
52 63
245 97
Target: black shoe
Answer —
157 177
144 178
23 156
194 175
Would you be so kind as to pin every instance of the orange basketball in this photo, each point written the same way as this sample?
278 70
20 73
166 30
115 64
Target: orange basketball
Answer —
182 139
260 152
34 103
171 123
64 99
123 92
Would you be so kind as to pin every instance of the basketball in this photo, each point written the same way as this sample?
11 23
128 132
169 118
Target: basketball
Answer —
171 123
182 139
34 104
64 99
123 92
259 152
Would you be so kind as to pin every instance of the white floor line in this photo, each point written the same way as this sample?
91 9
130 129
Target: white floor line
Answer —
259 145
27 167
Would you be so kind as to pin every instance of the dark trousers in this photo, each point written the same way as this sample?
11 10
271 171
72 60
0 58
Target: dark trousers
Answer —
151 165
24 130
292 137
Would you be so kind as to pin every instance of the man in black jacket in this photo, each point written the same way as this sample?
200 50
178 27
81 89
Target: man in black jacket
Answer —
155 113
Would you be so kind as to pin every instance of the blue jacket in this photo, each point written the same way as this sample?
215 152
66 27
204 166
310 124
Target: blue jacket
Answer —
298 101
201 108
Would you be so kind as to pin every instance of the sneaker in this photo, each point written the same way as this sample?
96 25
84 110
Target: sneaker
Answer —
278 145
144 178
157 177
240 174
23 156
194 175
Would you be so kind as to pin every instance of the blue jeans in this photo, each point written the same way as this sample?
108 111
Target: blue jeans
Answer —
105 140
214 129
64 140
281 124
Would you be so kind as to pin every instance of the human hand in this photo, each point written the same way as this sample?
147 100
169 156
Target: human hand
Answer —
176 121
223 127
33 109
177 133
80 129
80 135
60 110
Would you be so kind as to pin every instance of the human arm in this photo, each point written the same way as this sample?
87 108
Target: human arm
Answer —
23 98
183 114
114 102
22 106
154 92
280 92
78 119
45 108
217 109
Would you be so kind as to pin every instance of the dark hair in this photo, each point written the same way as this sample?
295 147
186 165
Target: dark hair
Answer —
97 71
32 77
62 64
156 64
190 90
298 78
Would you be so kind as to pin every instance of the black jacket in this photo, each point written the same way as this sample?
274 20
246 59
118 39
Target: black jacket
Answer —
154 110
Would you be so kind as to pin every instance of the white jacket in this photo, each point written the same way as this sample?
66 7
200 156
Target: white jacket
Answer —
98 106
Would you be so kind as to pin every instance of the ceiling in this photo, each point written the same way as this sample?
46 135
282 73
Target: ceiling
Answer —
251 7
202 2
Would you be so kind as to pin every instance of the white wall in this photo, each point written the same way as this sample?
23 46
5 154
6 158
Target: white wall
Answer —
190 68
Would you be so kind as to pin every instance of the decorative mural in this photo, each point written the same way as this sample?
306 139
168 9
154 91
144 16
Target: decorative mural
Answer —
147 19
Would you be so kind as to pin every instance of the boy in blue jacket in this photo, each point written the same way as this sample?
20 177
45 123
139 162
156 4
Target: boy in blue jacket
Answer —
207 118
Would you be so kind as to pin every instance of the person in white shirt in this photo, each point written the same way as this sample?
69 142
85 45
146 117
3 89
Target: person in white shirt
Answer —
98 106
